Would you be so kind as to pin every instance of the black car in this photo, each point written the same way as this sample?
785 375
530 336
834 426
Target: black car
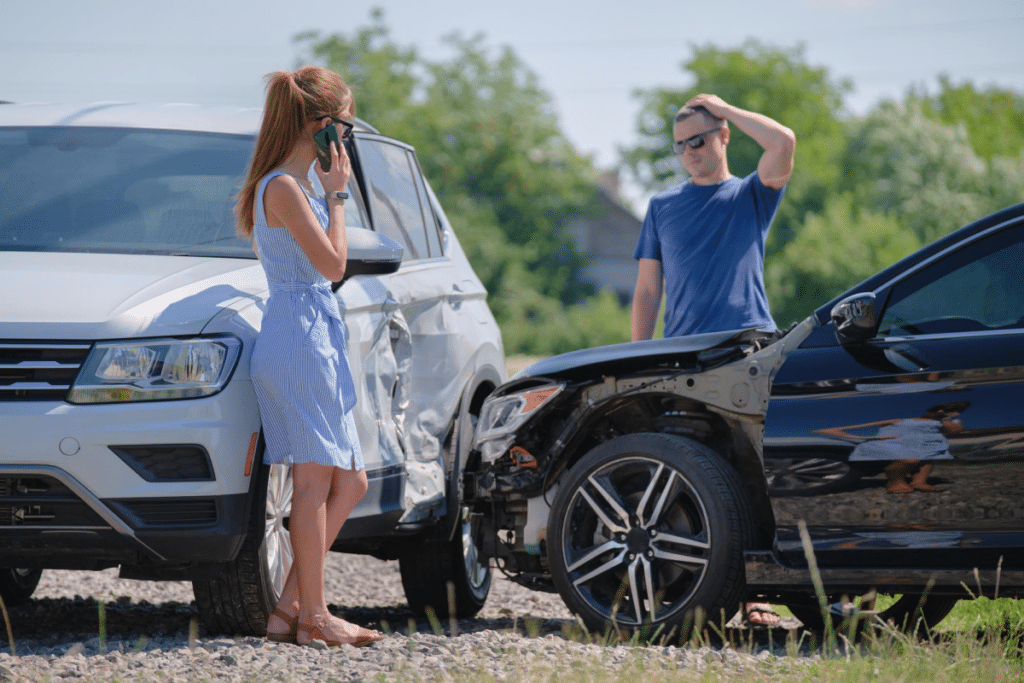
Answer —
654 481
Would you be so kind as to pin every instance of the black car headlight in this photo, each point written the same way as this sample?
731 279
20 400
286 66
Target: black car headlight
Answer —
502 416
155 370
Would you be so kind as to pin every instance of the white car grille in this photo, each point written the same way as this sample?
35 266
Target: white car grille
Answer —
39 371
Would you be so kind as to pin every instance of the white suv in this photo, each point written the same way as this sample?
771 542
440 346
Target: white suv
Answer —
129 431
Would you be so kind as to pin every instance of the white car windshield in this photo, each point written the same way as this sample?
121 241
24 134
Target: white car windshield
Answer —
121 190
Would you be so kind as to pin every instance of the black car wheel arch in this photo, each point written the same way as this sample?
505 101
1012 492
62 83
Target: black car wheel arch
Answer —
561 439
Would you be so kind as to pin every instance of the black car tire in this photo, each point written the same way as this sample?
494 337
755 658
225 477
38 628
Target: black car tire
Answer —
17 585
240 600
911 613
682 544
428 569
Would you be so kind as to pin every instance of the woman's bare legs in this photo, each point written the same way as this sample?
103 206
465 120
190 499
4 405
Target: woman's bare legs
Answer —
308 530
345 488
896 474
919 481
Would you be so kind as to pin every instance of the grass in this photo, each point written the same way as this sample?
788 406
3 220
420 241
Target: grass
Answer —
887 657
985 614
981 640
7 625
990 654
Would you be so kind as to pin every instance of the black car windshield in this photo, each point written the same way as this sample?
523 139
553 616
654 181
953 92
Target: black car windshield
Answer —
119 190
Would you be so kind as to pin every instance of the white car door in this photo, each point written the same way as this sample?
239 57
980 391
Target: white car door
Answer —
432 336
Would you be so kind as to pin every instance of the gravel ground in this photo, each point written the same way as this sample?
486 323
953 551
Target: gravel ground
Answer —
152 634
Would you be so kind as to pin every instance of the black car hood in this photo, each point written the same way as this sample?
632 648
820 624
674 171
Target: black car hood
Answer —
636 356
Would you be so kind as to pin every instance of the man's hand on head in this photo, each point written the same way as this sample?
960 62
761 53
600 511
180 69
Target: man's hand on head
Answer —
715 105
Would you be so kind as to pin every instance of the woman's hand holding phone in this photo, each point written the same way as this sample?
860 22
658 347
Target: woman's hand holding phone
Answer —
334 158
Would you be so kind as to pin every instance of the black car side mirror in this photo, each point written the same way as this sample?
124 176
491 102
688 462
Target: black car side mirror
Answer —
370 253
854 318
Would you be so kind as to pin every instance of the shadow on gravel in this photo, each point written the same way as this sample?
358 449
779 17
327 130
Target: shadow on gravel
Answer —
58 621
53 622
402 621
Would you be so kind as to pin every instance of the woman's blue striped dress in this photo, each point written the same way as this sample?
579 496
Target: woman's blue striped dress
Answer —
299 364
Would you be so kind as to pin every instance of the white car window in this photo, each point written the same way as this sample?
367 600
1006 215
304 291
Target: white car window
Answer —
394 200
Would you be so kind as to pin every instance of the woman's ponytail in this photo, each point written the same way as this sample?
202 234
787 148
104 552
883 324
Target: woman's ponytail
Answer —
293 101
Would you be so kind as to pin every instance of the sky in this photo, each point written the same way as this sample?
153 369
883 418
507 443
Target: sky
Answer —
589 55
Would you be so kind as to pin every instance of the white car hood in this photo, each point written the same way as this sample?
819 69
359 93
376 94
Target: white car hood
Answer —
84 296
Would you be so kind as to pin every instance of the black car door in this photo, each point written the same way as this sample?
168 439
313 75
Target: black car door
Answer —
913 440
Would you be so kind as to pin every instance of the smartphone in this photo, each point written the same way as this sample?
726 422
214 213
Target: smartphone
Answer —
323 140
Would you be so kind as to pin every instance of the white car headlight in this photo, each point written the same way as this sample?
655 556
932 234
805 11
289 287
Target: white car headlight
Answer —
501 416
155 370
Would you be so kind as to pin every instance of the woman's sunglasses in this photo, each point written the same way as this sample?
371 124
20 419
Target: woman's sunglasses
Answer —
346 127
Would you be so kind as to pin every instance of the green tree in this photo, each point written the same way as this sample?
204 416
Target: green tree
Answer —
909 179
1006 176
832 251
488 140
993 117
925 173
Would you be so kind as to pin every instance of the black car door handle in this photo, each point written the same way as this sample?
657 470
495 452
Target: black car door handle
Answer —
906 358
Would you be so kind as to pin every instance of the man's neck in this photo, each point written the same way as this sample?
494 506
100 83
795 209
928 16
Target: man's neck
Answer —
716 179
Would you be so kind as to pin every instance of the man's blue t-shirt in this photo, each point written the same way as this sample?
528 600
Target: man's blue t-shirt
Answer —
710 241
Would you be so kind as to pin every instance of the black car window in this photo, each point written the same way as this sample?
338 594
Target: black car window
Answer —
977 288
394 200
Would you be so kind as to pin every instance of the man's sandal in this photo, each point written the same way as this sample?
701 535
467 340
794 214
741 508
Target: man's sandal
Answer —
289 635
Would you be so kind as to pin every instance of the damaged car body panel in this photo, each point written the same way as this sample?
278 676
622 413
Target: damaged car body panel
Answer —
713 388
434 366
430 339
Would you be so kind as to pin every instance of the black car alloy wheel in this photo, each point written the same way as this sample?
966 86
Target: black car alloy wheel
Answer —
646 531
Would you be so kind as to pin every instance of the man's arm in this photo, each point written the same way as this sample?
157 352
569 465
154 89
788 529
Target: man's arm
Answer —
778 141
646 299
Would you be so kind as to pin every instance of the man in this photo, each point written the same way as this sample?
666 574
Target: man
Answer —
705 238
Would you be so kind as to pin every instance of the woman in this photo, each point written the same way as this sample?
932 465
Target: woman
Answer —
907 442
299 369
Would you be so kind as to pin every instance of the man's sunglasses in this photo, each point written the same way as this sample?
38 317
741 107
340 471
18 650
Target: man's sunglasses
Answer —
695 142
346 127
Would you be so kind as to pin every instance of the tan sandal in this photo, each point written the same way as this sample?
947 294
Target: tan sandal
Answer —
289 635
363 638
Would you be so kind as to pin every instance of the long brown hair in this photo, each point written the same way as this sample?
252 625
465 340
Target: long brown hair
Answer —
293 100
